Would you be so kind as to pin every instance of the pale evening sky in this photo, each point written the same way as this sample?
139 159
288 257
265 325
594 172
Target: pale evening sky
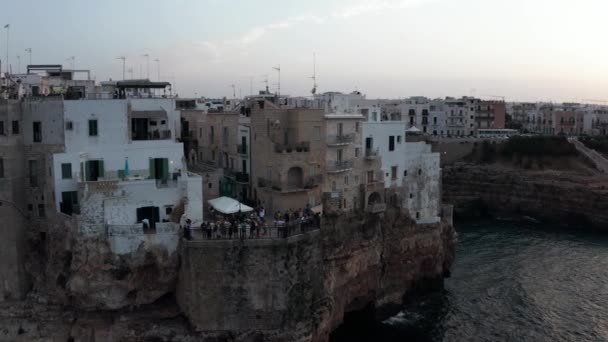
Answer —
521 49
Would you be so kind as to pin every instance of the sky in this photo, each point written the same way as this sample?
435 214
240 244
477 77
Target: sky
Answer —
524 50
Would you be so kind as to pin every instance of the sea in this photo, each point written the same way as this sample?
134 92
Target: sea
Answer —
511 281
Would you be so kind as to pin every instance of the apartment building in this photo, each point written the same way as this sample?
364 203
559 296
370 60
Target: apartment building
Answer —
461 116
490 115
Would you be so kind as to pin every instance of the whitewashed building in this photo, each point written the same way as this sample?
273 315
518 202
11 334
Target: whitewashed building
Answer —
122 165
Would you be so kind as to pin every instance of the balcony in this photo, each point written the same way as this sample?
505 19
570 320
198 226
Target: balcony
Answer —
269 184
372 153
242 150
155 135
292 148
242 177
340 140
339 166
313 181
376 208
277 186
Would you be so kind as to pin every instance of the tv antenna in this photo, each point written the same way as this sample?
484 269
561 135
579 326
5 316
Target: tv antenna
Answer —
265 81
314 74
278 69
233 91
130 71
123 58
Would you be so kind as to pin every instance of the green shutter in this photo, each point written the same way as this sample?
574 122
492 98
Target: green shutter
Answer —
82 175
88 167
165 171
152 171
101 169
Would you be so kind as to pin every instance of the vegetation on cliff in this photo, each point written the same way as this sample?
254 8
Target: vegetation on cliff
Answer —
536 152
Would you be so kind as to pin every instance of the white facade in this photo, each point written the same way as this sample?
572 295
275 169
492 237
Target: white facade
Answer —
376 139
422 183
101 131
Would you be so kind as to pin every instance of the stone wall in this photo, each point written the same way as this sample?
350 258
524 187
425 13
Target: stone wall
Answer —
550 195
299 289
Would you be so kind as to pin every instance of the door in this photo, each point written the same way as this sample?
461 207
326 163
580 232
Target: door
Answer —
369 143
159 168
150 213
243 145
139 129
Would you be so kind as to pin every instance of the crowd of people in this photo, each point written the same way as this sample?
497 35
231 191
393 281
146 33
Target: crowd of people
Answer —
255 224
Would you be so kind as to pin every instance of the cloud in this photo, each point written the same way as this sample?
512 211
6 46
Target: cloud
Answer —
256 33
364 7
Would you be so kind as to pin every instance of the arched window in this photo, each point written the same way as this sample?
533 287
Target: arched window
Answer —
295 178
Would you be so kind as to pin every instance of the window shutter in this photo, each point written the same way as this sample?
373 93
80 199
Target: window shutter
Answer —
101 169
83 177
165 174
152 170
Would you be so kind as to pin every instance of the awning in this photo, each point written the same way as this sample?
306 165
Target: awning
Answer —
413 129
227 205
317 209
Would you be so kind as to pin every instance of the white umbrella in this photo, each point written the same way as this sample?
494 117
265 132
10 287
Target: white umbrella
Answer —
413 129
227 205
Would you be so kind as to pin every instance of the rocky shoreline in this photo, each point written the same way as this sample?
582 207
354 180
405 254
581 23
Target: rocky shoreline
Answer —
353 263
551 196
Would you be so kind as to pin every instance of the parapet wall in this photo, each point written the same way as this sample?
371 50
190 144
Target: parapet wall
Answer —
299 289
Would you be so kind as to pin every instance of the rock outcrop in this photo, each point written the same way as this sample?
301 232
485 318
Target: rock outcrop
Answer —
299 289
548 195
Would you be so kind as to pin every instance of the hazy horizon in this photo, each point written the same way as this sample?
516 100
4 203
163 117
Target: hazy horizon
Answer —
533 50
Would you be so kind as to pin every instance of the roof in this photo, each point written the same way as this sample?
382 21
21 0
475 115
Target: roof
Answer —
142 84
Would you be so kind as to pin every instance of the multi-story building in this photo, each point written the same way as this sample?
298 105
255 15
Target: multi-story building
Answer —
490 115
461 116
288 148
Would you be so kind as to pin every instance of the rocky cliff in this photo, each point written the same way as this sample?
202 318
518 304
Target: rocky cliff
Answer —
299 289
475 189
295 289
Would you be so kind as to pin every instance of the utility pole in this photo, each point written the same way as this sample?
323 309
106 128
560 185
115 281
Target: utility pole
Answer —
233 91
29 51
158 68
147 65
278 69
123 58
8 28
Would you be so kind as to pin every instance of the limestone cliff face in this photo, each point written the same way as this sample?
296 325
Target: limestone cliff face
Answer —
82 271
299 289
550 195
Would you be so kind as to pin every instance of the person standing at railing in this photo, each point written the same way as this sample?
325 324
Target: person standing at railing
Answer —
242 230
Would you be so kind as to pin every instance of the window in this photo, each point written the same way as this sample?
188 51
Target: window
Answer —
225 136
1 127
168 210
357 126
391 143
434 121
411 195
417 215
346 180
1 168
398 139
92 128
317 132
210 185
404 173
333 186
33 172
370 176
211 136
30 207
393 172
15 126
41 210
356 152
66 171
92 170
37 128
200 132
419 172
340 129
69 125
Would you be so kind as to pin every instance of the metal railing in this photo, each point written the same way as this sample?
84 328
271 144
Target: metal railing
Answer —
339 165
372 153
376 208
155 135
241 149
291 148
242 177
278 230
340 139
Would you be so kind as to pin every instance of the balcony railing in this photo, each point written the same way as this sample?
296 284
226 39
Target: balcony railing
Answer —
241 149
155 135
269 184
242 177
339 165
342 139
313 181
292 148
376 208
372 153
